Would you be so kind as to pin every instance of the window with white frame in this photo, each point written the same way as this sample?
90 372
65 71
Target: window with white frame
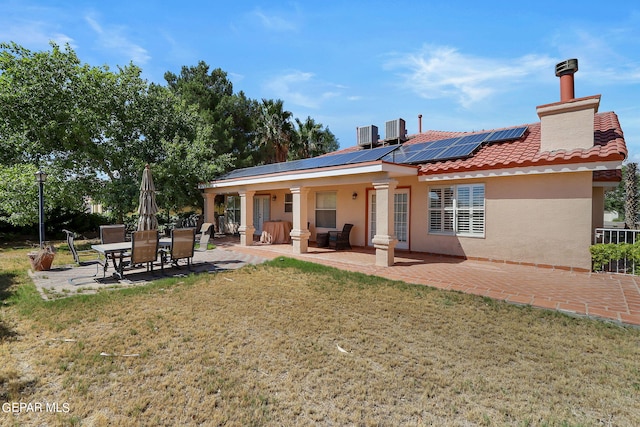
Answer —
233 209
326 203
457 209
288 202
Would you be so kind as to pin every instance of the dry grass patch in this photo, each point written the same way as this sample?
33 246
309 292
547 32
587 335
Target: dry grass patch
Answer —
291 343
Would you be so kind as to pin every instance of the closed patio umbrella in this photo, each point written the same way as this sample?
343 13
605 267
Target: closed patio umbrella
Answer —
148 208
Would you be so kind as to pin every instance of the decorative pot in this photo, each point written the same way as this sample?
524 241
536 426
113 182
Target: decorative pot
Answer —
41 260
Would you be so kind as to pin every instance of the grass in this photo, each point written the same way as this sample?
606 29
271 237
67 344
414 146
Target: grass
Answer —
295 343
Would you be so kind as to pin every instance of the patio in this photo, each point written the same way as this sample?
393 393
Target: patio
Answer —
614 297
598 295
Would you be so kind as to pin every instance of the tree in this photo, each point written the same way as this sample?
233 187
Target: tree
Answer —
615 199
631 196
311 140
275 131
227 119
95 127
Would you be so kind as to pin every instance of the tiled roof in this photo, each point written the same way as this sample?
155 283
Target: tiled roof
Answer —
608 145
613 175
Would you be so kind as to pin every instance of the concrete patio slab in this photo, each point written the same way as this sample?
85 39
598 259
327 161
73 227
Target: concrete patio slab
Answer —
69 280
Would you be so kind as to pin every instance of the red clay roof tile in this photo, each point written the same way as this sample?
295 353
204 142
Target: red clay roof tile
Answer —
608 145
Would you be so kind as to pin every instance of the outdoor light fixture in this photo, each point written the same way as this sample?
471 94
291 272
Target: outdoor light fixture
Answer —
354 195
274 198
41 177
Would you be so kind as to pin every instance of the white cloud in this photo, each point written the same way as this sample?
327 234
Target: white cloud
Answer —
600 54
301 88
274 22
114 39
33 34
444 72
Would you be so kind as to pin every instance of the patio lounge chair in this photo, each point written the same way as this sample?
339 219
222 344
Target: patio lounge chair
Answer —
205 234
340 239
182 244
78 254
144 248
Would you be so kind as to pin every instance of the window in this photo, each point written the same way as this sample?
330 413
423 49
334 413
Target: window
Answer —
457 209
326 209
288 202
233 209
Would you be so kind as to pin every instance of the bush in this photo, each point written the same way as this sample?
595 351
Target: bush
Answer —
603 254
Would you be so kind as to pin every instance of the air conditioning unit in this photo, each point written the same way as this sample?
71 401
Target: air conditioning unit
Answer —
368 135
395 130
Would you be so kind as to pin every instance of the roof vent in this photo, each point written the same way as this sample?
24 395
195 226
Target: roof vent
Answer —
395 130
565 70
569 66
368 135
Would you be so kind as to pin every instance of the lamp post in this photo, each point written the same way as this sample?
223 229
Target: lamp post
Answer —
41 177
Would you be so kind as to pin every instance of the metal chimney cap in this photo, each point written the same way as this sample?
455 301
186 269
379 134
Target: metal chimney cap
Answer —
569 66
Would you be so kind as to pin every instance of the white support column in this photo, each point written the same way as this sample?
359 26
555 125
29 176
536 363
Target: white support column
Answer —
300 232
385 240
209 206
246 228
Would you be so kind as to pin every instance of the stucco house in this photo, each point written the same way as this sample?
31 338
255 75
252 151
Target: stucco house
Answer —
529 194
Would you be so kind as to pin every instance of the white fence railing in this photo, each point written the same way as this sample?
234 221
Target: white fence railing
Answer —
618 236
615 235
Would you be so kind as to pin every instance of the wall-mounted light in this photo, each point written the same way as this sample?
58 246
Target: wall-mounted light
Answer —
274 198
354 195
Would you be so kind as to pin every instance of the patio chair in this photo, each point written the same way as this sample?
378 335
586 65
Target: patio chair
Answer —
182 244
112 234
205 234
144 248
96 259
340 239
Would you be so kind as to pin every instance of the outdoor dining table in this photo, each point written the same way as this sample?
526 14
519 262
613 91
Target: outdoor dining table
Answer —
117 250
276 232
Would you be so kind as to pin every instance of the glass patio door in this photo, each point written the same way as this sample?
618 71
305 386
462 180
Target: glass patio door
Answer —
261 212
400 218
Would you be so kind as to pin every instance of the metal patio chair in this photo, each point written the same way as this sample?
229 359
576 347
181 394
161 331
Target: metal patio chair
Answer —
182 244
77 256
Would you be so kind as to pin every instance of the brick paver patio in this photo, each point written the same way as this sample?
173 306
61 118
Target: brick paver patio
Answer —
599 295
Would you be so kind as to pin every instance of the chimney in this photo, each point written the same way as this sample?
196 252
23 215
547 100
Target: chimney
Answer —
568 124
419 123
565 70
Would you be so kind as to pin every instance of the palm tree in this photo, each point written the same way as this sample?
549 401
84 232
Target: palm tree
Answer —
275 130
309 139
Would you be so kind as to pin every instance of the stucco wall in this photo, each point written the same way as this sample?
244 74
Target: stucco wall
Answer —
540 219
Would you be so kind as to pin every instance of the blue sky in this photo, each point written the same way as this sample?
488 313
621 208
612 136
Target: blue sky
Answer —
463 65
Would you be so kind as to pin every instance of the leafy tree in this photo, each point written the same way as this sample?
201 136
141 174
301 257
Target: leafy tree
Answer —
19 195
95 127
226 119
275 130
615 199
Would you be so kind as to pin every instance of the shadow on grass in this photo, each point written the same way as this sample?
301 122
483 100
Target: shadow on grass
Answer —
6 281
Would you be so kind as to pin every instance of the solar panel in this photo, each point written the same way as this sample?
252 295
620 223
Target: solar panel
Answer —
459 150
478 137
507 134
353 157
371 155
425 155
449 148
